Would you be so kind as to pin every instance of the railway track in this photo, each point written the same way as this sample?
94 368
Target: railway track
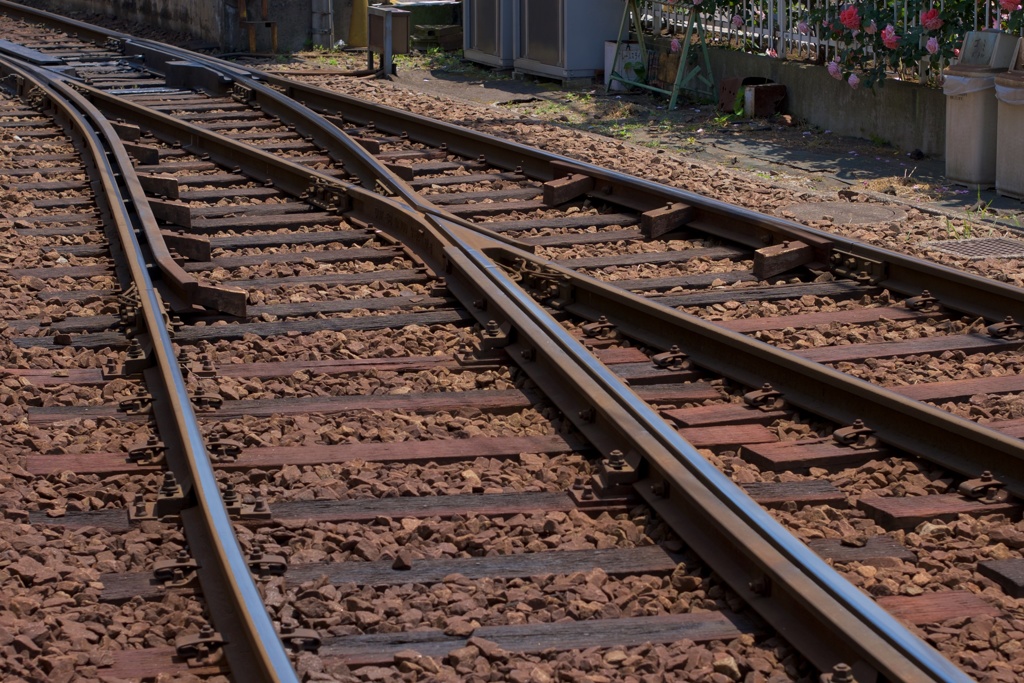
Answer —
462 407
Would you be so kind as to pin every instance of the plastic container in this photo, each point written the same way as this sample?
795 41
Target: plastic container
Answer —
971 111
1009 141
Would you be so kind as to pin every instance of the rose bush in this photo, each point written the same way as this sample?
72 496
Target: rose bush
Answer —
872 48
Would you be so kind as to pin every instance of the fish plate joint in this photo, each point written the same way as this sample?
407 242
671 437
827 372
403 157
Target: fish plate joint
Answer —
327 197
241 93
860 268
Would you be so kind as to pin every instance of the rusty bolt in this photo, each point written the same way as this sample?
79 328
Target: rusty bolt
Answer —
758 586
170 484
842 673
616 460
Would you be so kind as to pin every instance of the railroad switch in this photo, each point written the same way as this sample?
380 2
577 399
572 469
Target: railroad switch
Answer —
555 289
986 489
200 649
855 436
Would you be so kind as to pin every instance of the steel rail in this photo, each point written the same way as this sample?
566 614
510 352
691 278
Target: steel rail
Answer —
185 286
319 188
253 648
906 275
953 442
218 77
411 225
894 668
818 603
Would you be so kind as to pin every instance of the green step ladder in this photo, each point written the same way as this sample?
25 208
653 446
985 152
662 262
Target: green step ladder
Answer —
695 78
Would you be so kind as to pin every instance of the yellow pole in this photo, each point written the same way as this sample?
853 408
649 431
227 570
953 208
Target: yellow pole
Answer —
357 27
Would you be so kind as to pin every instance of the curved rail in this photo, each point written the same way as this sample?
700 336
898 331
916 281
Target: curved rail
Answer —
253 648
881 644
814 590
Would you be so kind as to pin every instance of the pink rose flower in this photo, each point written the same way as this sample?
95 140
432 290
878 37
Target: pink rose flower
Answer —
675 45
1009 5
737 20
932 45
853 81
803 28
889 37
834 71
930 20
850 18
872 28
697 2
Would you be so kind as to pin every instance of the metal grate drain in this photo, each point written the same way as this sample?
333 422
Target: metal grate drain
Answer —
982 247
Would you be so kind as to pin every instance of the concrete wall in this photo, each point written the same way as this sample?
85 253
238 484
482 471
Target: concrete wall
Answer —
200 18
906 115
216 22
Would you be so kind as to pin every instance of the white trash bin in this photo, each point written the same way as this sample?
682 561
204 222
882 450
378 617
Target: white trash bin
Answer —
971 110
1010 142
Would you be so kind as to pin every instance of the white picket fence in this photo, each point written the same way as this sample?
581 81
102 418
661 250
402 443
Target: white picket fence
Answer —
772 26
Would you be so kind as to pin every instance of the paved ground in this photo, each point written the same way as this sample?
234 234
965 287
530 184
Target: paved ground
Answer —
796 153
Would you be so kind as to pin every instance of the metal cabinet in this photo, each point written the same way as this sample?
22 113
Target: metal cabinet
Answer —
565 39
487 29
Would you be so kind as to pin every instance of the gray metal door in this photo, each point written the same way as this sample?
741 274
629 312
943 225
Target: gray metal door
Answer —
542 31
485 26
